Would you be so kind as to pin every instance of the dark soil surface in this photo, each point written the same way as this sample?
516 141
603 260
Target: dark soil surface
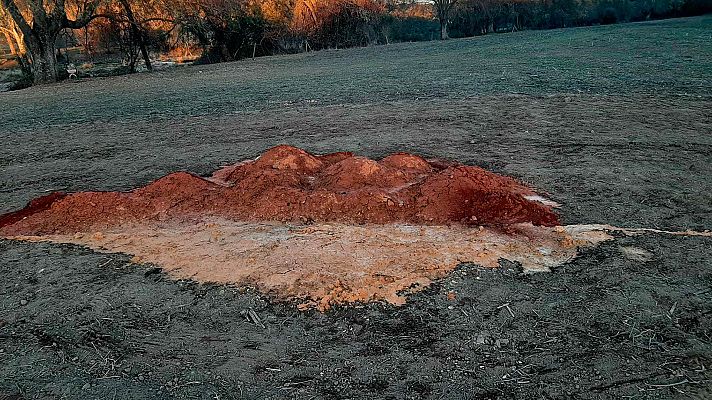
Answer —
612 122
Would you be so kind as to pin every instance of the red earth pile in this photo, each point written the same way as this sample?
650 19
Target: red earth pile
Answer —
289 184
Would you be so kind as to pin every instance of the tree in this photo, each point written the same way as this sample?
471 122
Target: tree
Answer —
39 22
137 35
442 10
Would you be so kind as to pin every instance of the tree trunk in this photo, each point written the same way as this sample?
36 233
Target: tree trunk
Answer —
10 42
144 52
137 35
44 58
20 43
443 30
17 42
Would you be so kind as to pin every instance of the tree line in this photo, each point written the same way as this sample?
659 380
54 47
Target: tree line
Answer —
224 30
477 17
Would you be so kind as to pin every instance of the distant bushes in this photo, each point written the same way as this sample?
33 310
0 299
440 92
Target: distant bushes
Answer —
230 36
410 29
348 24
233 29
478 17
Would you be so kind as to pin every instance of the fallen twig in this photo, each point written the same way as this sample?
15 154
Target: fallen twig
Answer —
682 382
506 305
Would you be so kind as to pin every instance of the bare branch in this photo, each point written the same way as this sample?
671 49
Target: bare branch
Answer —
87 15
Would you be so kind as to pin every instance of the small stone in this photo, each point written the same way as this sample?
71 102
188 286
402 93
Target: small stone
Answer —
23 302
637 254
545 251
481 338
86 386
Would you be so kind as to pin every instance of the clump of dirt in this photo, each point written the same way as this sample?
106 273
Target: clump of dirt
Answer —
37 205
289 184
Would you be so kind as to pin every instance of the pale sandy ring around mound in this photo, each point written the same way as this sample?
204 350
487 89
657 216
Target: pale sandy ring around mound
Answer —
326 264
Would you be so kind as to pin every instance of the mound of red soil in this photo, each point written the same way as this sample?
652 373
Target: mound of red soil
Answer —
289 184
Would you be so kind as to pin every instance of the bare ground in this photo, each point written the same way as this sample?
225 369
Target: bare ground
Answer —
620 137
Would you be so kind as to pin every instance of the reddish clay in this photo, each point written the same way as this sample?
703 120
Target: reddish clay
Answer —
289 184
35 206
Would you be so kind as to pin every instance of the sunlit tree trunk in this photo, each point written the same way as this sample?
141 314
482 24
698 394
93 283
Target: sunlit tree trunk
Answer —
10 42
19 42
17 46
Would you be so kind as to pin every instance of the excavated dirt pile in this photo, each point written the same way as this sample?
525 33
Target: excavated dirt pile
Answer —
321 230
289 184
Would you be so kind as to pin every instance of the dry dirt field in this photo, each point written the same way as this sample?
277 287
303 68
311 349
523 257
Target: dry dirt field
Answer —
612 122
